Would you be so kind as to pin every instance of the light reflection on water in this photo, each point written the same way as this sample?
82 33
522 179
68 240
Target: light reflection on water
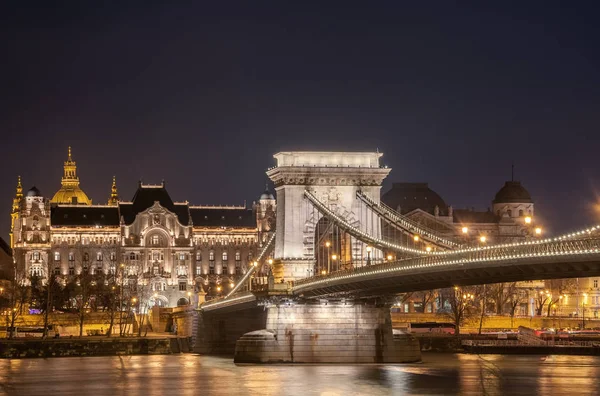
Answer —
183 375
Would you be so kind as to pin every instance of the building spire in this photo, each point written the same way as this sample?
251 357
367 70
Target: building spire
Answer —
512 171
114 196
18 195
70 178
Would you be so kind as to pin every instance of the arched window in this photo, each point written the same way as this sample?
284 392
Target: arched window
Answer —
520 212
509 213
238 256
131 256
155 240
224 256
211 256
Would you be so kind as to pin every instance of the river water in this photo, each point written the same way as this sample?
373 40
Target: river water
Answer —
186 374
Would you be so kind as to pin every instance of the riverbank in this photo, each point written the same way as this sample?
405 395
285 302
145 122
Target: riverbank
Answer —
92 346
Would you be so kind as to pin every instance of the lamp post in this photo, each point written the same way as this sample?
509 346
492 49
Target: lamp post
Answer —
327 245
334 258
583 311
369 249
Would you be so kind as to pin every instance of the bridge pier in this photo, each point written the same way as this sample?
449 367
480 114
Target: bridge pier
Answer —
332 333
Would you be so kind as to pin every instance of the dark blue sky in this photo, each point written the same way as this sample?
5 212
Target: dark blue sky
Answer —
203 93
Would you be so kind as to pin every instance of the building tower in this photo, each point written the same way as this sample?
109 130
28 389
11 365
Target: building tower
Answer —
15 209
114 196
513 201
70 192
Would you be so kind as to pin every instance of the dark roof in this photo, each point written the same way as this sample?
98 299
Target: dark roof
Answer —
411 196
83 215
219 217
33 192
513 192
4 246
145 197
470 216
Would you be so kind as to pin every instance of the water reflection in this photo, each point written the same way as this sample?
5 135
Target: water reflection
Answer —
184 375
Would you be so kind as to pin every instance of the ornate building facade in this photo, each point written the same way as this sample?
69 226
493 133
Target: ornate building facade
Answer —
171 248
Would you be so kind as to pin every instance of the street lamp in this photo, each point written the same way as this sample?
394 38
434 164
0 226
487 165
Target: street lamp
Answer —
389 257
482 239
538 231
465 230
369 248
583 311
428 249
416 238
327 245
528 220
334 258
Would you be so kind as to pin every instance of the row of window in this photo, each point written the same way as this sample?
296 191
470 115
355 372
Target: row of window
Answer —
86 256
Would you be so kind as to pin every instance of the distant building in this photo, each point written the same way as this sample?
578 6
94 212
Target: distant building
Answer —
6 268
173 247
510 219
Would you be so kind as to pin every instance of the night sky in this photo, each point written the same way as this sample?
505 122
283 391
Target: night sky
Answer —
201 94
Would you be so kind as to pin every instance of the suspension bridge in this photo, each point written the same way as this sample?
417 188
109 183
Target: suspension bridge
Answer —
336 242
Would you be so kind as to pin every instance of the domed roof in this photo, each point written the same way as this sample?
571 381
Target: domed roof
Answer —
73 195
512 192
34 192
411 196
266 195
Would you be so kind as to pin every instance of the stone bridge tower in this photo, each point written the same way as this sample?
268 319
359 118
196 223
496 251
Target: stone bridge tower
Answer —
334 177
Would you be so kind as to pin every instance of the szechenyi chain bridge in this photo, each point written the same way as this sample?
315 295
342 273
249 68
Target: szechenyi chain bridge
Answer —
316 306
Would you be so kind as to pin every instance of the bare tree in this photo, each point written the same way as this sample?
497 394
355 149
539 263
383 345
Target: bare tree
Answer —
498 293
424 297
462 304
541 297
558 288
515 297
19 294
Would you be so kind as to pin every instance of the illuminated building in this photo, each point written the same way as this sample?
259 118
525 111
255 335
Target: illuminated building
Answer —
172 248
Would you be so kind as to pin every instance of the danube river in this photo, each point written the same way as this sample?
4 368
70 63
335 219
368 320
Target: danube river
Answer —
181 375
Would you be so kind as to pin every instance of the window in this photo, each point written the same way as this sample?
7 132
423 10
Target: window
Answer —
198 270
113 256
181 270
36 256
71 268
71 256
520 212
238 267
156 256
595 283
211 267
99 267
132 256
211 256
86 257
182 286
509 213
155 240
224 269
56 270
238 256
198 256
99 256
224 256
181 256
56 256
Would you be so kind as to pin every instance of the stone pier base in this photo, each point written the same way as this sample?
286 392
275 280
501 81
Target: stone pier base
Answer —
327 334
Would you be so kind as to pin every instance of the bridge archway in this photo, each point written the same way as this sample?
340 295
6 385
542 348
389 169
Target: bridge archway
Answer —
334 177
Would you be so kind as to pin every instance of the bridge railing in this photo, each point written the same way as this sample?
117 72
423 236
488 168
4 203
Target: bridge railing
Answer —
405 223
356 232
589 245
